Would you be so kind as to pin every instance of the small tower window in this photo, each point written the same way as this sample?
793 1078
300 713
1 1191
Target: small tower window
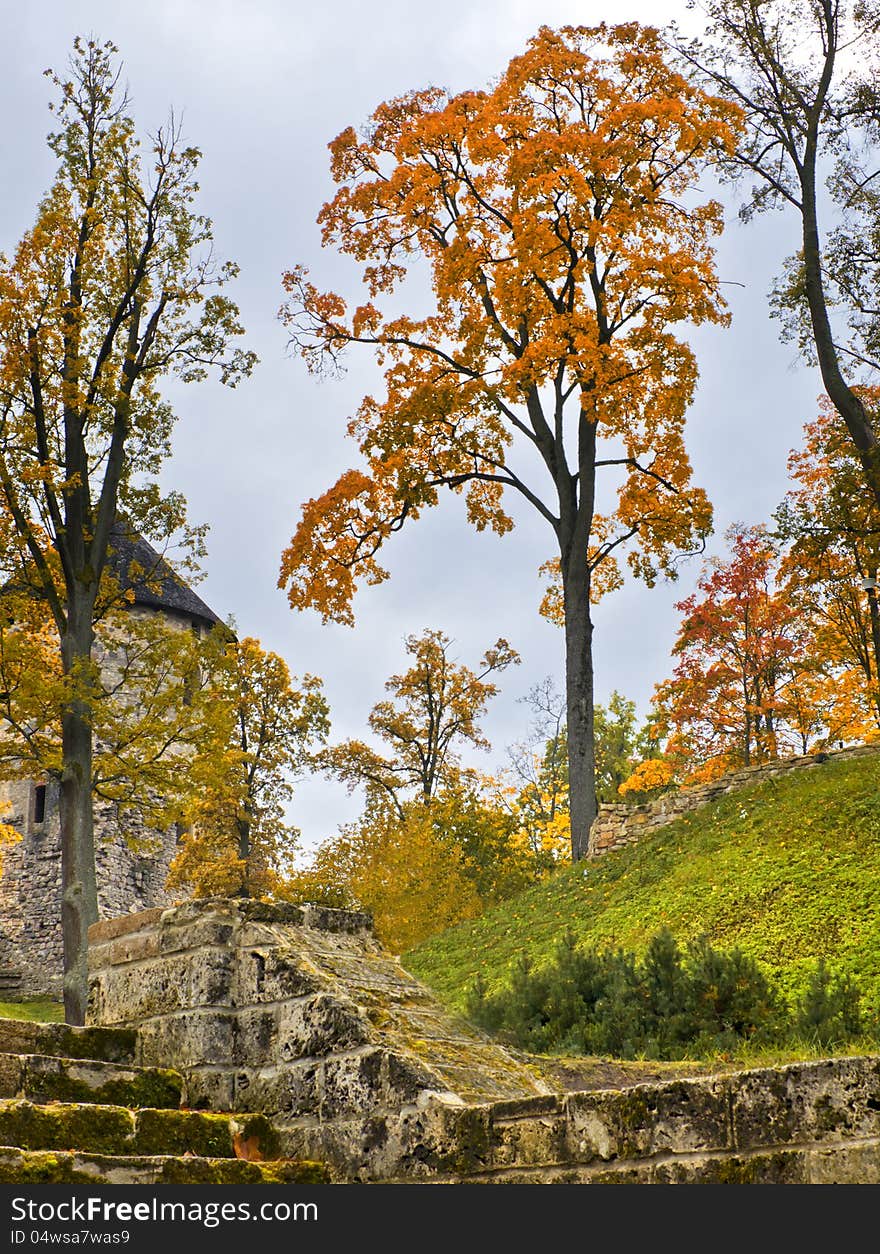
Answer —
39 803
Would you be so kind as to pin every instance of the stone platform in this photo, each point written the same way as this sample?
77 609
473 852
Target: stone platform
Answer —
297 1014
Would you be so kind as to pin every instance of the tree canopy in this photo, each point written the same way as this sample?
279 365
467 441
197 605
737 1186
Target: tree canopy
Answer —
804 72
558 217
113 288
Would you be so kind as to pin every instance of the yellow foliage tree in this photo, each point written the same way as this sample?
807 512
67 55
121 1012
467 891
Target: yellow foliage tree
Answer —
648 777
401 868
114 287
259 734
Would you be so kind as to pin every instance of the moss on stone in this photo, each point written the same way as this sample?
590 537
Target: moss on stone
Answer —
780 1167
237 1171
94 1128
291 1171
153 1087
470 1147
258 1130
180 1132
102 1129
29 1167
35 1169
100 1044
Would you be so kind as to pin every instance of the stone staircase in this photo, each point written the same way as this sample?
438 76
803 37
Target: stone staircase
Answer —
75 1108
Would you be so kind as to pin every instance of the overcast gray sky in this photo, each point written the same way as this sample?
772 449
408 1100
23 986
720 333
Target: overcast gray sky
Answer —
262 86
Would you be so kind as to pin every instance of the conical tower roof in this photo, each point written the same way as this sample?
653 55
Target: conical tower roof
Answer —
141 570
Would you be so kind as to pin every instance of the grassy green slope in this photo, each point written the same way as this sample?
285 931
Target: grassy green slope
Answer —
41 1011
787 871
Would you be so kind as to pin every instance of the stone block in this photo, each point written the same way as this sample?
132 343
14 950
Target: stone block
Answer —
318 1026
273 974
208 1088
818 1101
371 1079
289 1091
678 1117
843 1164
161 986
108 929
189 1039
11 1076
210 975
47 1079
327 919
97 1129
196 933
127 948
778 1167
537 1141
256 1037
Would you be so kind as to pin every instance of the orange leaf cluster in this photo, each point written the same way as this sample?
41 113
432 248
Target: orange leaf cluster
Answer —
555 215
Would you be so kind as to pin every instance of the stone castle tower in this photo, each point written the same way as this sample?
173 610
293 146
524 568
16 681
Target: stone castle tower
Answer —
128 880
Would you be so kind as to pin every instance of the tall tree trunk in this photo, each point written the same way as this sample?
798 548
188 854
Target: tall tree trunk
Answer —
847 403
79 889
244 853
874 609
579 703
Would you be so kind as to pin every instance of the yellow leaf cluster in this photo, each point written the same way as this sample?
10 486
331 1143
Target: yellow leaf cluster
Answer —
649 775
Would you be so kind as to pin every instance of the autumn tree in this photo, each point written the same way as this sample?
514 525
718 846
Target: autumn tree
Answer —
433 845
831 526
420 866
434 711
804 73
405 868
738 647
262 732
558 216
113 288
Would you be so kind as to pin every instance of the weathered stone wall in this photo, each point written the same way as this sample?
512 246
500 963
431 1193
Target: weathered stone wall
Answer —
292 1010
297 1012
131 876
132 862
618 825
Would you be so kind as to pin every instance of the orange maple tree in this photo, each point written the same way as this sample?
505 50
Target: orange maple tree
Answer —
558 216
740 645
831 568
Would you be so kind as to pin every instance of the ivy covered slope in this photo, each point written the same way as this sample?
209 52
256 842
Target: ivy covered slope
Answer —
787 871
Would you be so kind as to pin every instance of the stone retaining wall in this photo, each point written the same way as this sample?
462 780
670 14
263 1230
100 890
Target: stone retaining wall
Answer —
618 825
297 1012
806 1123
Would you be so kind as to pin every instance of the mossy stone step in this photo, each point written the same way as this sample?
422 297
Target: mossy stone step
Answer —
116 1130
45 1078
19 1166
21 1036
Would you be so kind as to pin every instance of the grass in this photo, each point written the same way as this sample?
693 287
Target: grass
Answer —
788 871
39 1011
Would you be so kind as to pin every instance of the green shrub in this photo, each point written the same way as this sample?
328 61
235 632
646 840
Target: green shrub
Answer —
669 1004
829 1013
